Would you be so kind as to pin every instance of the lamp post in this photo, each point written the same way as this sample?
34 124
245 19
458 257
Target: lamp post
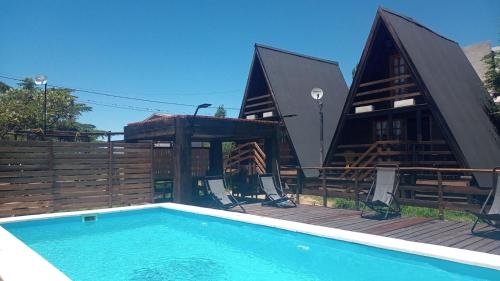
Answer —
203 105
42 80
317 94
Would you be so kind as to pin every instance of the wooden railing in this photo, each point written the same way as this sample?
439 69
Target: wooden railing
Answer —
249 153
405 153
440 188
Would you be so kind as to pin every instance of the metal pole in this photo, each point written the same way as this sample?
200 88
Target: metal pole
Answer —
322 154
45 110
322 146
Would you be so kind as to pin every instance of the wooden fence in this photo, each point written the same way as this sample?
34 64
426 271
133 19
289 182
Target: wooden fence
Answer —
440 188
40 177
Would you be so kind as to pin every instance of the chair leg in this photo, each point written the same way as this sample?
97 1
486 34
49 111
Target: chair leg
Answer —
387 212
244 211
474 226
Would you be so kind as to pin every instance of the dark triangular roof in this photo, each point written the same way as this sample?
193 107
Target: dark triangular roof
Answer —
451 86
290 78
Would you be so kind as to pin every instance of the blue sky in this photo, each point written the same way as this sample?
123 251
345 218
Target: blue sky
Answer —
197 51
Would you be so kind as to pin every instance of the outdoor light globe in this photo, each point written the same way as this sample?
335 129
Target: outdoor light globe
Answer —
317 93
40 79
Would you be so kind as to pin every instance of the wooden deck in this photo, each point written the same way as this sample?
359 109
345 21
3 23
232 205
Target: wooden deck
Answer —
417 229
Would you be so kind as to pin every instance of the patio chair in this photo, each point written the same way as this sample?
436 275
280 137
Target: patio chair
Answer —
492 217
384 200
217 189
274 193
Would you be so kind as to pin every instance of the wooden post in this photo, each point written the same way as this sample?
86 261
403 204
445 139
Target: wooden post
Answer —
356 189
152 172
323 185
50 167
419 125
183 184
440 196
216 158
271 149
110 171
298 186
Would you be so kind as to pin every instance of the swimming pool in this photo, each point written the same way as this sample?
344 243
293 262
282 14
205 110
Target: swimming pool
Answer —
167 244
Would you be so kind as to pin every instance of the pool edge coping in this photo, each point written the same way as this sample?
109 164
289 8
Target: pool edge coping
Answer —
30 259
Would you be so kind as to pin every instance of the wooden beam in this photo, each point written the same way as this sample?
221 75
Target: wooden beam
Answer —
271 150
182 191
258 104
259 97
385 80
404 96
272 108
386 111
402 86
215 158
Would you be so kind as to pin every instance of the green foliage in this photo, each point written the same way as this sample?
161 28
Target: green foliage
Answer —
492 84
492 75
22 109
227 147
221 112
27 84
353 71
3 87
406 211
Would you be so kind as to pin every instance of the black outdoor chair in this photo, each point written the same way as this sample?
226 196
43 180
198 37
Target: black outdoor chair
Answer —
217 188
274 193
492 217
386 183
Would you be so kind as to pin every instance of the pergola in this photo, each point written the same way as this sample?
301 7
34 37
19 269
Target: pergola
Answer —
182 130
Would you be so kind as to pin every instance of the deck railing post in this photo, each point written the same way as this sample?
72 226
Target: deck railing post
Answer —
356 190
323 185
440 195
298 186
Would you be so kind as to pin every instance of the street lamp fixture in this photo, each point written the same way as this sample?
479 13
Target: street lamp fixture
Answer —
203 105
42 80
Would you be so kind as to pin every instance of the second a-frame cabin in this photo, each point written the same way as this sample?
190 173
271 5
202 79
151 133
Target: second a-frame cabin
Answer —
415 100
278 89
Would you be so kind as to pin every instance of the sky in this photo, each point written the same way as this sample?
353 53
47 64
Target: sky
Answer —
193 52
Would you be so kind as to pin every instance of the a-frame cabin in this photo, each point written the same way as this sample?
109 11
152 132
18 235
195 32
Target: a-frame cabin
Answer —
416 100
278 89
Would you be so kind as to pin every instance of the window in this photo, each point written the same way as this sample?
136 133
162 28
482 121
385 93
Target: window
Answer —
398 68
382 130
397 129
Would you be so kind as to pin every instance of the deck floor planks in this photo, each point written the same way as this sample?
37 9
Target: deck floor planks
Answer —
423 226
389 225
436 229
443 232
380 230
418 229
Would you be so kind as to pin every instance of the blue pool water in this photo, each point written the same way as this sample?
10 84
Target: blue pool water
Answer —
160 244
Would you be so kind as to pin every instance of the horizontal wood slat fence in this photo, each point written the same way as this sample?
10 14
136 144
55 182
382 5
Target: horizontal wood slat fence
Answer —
41 177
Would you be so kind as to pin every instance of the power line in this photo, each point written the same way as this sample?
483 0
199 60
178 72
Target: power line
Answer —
128 107
102 93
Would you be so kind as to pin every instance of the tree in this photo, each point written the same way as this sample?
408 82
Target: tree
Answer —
22 109
221 112
492 85
3 87
27 84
